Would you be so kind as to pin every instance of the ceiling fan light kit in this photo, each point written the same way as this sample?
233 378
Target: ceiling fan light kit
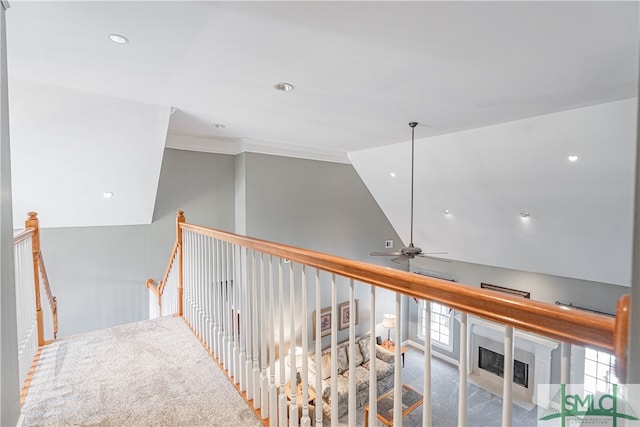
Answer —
409 252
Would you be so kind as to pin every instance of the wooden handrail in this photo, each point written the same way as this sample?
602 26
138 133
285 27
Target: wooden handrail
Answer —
562 324
53 302
32 231
159 288
32 222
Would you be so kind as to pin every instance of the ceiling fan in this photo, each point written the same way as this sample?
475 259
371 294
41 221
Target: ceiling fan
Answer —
409 252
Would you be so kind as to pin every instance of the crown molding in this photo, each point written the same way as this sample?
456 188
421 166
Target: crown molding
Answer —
246 145
205 145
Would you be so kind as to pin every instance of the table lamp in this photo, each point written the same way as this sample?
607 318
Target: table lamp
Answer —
389 322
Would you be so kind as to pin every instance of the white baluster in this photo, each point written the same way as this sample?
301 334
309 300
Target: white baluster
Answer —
215 289
223 302
426 386
462 367
242 308
352 359
247 330
334 352
565 363
507 384
220 303
257 404
264 378
373 377
293 406
229 315
305 421
397 383
234 314
318 385
200 288
282 398
273 387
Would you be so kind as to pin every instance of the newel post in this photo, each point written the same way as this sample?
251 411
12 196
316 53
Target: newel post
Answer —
32 222
180 220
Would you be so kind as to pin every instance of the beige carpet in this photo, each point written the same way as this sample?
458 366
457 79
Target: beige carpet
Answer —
146 373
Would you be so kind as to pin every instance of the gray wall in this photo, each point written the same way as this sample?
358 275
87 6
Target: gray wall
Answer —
98 273
320 206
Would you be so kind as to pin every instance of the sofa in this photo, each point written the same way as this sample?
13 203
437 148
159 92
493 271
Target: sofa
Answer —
384 374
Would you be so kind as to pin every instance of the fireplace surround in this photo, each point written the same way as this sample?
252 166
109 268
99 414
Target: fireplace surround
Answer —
531 350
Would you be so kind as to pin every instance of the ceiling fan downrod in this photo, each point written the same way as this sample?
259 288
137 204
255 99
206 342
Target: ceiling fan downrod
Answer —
413 130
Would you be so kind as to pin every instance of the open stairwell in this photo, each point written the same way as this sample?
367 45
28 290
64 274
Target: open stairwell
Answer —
217 351
152 372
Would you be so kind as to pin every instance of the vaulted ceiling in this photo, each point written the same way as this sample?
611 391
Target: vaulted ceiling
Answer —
90 116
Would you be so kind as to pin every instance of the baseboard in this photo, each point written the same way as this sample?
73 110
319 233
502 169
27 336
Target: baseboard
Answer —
437 354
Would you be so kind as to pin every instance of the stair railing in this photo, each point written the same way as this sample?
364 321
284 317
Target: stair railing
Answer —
36 327
165 297
252 303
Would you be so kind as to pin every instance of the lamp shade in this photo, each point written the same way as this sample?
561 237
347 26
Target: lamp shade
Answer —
389 321
298 357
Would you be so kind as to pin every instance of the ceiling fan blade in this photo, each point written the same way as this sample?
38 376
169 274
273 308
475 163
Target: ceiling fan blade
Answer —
402 259
435 253
434 257
394 253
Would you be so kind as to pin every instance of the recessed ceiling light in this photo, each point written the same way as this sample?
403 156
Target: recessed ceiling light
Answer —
525 214
117 38
573 158
392 174
283 86
447 212
107 194
219 126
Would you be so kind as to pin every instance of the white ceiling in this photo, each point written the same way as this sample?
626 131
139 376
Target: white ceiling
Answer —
88 115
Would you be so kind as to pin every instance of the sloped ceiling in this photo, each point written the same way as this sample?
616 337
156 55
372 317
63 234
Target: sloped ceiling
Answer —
580 213
89 116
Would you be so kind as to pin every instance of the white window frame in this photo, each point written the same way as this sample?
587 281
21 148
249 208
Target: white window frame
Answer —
599 371
439 312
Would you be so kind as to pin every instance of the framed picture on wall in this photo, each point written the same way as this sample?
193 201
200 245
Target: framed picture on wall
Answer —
325 322
345 315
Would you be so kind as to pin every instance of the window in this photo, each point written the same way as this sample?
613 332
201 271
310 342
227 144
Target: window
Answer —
440 324
599 371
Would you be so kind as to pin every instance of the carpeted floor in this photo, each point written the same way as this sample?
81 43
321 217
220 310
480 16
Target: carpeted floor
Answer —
141 374
157 373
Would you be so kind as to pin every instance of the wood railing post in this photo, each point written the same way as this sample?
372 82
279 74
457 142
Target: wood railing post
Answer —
621 337
32 222
180 220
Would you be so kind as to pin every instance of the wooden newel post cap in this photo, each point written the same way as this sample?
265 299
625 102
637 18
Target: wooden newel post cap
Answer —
180 216
32 215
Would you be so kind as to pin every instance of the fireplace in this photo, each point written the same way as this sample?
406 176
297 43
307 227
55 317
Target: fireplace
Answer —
532 362
494 363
